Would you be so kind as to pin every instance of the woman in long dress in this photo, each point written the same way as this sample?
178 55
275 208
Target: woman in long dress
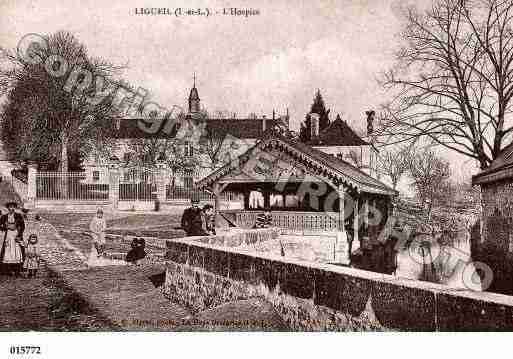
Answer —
12 252
98 226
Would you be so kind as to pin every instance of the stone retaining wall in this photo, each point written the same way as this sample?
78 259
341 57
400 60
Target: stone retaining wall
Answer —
315 296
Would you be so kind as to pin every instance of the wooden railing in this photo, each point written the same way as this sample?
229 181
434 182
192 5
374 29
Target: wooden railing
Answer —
293 221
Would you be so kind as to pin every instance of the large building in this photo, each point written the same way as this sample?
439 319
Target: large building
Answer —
209 143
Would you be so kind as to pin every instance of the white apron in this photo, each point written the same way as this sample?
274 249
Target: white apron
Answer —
12 249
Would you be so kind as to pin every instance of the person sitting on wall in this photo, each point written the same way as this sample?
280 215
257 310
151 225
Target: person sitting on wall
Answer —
137 252
192 219
264 220
209 219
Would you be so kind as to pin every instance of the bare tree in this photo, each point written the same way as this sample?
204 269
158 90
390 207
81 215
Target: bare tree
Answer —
453 80
394 164
211 144
430 175
178 163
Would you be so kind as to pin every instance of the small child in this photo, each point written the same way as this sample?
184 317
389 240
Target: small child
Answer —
137 252
97 228
31 263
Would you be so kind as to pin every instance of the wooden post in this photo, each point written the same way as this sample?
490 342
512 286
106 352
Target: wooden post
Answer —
341 254
267 199
356 224
365 237
217 203
246 200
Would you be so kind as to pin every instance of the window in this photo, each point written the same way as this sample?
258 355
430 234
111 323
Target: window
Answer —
188 149
188 182
96 176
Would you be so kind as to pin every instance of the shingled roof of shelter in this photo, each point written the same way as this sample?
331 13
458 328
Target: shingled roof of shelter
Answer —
338 133
336 166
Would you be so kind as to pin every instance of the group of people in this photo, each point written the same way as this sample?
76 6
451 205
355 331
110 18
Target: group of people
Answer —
97 228
17 254
198 221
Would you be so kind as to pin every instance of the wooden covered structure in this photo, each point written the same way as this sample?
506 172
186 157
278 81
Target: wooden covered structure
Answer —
317 182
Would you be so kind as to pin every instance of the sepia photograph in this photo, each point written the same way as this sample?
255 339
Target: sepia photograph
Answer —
259 167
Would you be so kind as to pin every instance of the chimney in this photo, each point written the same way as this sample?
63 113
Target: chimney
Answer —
287 119
370 121
264 124
314 125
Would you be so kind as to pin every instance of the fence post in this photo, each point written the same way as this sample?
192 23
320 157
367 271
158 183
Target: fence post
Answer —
31 186
114 187
161 184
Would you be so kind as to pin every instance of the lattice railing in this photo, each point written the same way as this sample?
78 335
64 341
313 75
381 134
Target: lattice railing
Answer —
294 221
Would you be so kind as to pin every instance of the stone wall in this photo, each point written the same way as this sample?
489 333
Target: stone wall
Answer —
494 246
314 296
497 212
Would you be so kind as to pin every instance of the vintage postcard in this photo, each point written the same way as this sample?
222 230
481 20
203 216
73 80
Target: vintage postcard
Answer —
270 166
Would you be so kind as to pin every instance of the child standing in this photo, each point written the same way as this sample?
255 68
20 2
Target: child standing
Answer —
31 263
98 227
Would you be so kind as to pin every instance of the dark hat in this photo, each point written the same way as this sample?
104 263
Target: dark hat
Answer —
11 204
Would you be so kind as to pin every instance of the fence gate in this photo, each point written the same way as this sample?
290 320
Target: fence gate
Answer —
138 184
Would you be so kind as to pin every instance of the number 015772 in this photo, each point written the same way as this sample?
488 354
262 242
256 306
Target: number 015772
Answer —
24 349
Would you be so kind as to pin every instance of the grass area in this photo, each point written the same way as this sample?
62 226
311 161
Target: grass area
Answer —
83 243
146 220
157 232
47 303
123 220
146 225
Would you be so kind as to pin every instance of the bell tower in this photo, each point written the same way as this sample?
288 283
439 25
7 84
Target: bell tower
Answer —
194 100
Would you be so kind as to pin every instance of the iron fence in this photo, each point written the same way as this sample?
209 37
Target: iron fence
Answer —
69 186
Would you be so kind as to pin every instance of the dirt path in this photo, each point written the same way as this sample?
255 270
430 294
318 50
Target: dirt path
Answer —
68 295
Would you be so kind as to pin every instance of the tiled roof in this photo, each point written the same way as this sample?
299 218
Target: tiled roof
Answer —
339 168
499 169
131 128
338 133
240 128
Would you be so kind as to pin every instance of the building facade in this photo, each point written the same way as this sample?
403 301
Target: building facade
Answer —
200 145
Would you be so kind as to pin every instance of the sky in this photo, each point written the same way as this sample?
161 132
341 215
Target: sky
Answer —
274 60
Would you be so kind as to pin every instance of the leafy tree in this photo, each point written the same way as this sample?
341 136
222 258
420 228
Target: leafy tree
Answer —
319 108
43 121
453 78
